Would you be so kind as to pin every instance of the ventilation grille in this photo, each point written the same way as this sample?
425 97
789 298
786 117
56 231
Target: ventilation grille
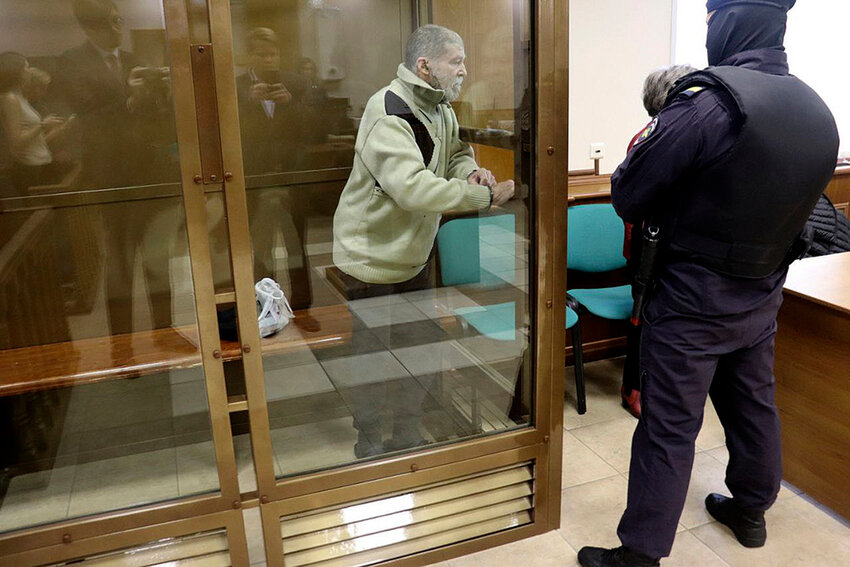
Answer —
397 525
207 549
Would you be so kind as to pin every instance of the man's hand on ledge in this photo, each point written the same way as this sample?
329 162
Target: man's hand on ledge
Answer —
503 192
482 176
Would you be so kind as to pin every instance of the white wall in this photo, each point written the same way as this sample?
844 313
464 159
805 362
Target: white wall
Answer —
614 44
815 41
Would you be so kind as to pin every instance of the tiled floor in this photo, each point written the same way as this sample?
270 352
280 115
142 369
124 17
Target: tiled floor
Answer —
595 466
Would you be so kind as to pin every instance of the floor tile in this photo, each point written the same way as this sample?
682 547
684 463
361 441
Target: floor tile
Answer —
362 369
371 302
254 534
197 472
721 454
315 445
132 406
443 305
295 358
688 551
436 357
499 237
158 433
392 314
189 398
296 382
798 535
547 550
711 434
410 334
706 477
590 512
487 251
518 277
361 341
37 498
432 293
602 384
77 412
246 476
507 263
580 464
611 440
128 481
493 350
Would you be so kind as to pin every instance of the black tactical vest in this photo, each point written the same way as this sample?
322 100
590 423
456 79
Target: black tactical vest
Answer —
741 215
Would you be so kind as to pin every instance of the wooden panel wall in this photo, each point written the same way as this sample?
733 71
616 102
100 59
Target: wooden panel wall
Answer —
487 29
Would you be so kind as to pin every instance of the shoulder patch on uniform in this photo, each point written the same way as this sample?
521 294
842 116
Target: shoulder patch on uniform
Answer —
691 91
647 132
395 106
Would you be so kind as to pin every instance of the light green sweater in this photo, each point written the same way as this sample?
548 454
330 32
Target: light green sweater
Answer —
389 210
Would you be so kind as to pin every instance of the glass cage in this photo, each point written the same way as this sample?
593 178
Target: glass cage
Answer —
159 161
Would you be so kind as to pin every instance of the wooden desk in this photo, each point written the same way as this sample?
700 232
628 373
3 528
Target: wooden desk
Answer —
812 371
588 189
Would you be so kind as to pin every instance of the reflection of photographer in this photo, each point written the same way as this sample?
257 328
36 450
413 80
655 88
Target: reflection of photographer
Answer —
269 107
126 131
123 106
271 115
150 88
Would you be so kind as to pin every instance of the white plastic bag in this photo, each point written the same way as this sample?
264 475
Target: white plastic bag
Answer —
273 310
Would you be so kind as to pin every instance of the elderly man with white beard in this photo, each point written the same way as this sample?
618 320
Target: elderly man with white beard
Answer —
410 166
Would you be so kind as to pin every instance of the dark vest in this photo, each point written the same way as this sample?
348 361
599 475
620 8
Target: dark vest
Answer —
743 213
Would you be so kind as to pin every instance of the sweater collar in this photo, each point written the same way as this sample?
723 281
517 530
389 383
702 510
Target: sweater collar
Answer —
424 95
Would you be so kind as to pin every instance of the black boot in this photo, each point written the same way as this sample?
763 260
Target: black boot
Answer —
617 557
747 525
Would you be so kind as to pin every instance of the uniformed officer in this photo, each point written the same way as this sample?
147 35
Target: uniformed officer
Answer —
729 170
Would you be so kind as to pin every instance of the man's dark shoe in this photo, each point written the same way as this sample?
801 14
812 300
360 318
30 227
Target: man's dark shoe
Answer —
747 525
617 557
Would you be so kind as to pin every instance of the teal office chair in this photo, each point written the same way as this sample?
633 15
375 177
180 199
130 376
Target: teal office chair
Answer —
595 244
461 263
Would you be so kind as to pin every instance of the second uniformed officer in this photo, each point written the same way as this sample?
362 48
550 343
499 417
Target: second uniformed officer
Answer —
730 171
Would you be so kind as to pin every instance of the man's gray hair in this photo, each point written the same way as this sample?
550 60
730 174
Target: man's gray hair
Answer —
429 42
658 84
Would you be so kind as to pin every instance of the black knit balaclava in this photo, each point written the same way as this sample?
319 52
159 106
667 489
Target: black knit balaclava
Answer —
742 25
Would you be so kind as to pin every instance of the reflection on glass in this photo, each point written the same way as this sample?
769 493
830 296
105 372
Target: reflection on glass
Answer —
409 281
97 312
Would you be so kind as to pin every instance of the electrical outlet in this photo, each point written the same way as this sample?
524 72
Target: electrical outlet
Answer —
597 150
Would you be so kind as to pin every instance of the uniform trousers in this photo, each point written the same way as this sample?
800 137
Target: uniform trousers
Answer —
693 346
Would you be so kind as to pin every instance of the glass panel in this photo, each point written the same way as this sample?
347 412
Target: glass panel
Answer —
410 293
102 397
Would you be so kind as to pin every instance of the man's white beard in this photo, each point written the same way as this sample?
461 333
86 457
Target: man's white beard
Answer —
453 90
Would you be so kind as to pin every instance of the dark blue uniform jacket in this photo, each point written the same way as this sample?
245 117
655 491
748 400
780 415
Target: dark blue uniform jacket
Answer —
693 131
